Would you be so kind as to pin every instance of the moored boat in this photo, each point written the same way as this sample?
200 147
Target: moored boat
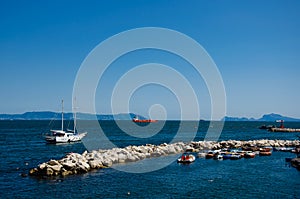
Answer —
227 156
284 149
266 149
249 154
186 158
218 157
210 155
235 156
62 136
265 153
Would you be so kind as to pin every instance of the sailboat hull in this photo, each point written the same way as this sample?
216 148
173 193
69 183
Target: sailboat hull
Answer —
61 136
64 137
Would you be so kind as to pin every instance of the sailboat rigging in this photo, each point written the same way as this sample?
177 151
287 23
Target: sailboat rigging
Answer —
62 136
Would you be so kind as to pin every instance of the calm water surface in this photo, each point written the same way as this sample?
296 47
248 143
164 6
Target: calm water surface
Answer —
22 147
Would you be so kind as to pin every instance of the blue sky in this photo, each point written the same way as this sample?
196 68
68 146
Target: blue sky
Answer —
255 44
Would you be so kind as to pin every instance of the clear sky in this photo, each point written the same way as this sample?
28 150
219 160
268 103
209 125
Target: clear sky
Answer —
255 44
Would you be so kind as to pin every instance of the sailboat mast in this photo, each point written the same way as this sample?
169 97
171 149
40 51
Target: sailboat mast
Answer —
62 115
74 115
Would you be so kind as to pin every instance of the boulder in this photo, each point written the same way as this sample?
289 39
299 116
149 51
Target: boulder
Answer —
84 153
189 149
55 168
178 149
83 167
42 166
69 165
148 155
65 172
33 171
49 171
143 149
122 158
114 157
107 163
141 156
53 162
171 149
131 158
95 164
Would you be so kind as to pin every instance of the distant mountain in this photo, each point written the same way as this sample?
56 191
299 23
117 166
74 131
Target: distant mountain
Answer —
241 119
274 117
265 118
48 115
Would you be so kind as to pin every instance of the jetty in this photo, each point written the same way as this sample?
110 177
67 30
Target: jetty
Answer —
281 128
75 163
288 130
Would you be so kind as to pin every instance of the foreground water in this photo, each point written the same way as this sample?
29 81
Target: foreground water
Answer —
22 147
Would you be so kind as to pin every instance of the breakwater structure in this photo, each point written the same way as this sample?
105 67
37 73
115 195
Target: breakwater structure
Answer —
74 163
281 128
288 130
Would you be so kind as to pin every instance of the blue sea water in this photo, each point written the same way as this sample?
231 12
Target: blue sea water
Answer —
22 147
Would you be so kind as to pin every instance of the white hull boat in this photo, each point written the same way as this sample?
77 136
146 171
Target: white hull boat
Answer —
59 136
62 136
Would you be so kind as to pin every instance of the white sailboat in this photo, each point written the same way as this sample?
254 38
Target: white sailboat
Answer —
62 136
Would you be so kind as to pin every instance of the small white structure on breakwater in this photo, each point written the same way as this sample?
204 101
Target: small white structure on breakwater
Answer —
74 163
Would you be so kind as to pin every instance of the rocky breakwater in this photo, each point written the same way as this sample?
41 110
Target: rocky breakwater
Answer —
235 144
74 163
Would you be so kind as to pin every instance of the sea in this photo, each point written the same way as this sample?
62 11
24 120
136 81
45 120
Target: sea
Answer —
22 147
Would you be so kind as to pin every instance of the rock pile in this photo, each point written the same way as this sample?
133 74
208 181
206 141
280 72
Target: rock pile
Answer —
235 144
74 163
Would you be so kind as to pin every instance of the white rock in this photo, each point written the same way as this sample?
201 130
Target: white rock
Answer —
107 163
53 162
94 164
55 168
42 166
131 158
69 165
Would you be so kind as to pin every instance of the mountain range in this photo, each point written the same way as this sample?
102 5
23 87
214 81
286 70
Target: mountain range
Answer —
48 115
272 117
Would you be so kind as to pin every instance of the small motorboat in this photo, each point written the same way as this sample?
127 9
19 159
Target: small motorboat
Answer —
235 156
265 127
283 149
265 153
249 154
218 157
241 153
227 156
186 158
212 153
266 149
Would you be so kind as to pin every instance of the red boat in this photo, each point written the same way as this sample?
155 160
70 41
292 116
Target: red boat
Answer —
137 120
